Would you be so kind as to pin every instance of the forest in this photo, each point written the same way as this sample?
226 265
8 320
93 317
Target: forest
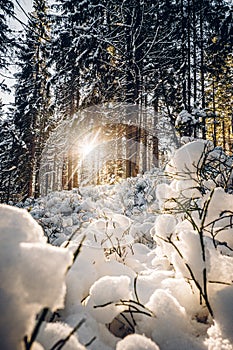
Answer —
116 175
173 56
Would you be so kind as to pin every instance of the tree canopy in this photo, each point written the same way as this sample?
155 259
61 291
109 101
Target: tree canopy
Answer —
174 56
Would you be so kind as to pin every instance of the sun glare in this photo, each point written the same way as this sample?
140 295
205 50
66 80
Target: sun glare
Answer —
89 143
87 148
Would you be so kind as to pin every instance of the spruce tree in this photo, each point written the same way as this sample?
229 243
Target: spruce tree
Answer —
205 39
6 10
10 154
32 108
6 39
111 50
219 72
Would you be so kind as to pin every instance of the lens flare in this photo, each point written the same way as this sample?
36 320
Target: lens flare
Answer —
89 143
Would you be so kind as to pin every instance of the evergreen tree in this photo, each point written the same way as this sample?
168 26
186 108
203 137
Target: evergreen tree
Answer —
205 38
76 51
219 98
6 11
219 72
172 55
111 50
32 116
10 151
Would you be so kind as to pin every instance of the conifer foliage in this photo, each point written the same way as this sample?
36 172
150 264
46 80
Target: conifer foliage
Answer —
32 115
10 151
174 56
111 51
6 11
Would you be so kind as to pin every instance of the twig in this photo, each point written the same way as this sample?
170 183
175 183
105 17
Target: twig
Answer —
28 344
60 343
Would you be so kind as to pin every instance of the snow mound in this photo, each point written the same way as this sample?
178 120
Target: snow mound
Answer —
32 275
136 341
106 306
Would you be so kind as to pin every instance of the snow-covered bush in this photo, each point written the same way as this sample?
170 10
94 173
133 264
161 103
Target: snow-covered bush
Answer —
32 275
195 232
185 123
131 271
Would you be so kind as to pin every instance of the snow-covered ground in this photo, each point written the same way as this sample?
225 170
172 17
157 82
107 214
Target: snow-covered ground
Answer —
144 264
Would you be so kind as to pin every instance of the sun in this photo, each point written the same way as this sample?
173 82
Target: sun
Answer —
87 148
89 143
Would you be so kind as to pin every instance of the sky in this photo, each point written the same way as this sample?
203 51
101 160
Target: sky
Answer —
26 5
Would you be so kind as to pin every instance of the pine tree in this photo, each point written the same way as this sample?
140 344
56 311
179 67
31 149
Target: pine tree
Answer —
219 96
108 50
6 39
219 73
32 116
205 41
10 153
6 10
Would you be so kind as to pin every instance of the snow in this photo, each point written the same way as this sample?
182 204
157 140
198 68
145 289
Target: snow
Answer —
171 327
187 158
186 121
215 340
143 343
116 288
144 264
223 301
32 275
184 117
51 333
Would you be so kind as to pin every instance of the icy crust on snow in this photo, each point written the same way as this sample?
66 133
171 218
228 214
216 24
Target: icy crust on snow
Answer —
153 265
